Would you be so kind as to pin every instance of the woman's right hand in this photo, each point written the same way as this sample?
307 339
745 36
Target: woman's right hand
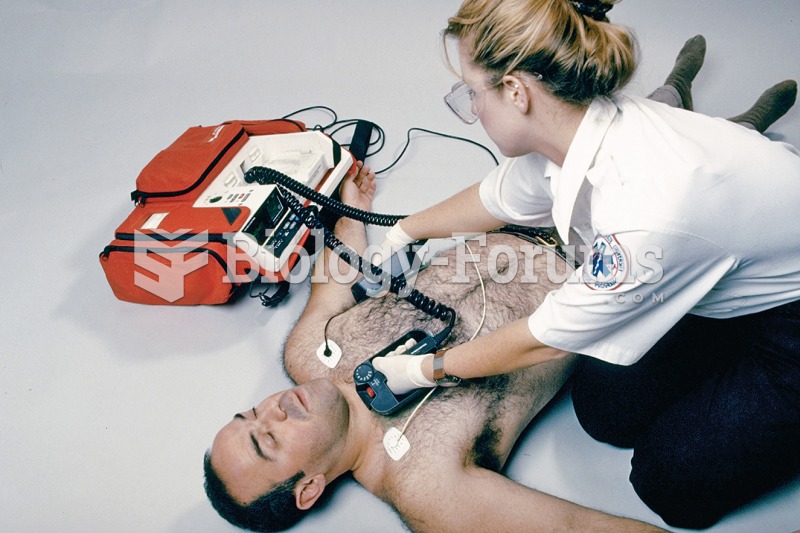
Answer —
396 239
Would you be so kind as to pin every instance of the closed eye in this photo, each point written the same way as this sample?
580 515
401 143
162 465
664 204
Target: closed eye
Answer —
257 448
253 440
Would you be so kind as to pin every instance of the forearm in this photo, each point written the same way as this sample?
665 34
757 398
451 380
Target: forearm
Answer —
330 293
461 213
504 350
352 233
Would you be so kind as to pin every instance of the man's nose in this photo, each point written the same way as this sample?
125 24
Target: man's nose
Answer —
271 412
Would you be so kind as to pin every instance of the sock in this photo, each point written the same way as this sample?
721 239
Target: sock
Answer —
687 65
769 107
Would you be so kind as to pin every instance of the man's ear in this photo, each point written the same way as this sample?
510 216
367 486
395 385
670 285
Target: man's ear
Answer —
308 491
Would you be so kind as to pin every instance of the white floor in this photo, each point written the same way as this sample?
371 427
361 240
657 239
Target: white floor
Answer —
107 407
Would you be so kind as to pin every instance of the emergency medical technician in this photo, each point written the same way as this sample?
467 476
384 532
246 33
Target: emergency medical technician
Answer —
687 308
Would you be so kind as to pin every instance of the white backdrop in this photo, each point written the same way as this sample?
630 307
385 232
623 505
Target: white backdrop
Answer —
107 407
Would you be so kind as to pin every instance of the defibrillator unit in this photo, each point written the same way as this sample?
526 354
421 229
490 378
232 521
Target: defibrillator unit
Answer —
200 230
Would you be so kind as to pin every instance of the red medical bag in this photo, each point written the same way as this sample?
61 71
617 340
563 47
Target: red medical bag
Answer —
190 239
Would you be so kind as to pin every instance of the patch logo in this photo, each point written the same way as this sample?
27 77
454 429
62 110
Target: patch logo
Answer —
608 267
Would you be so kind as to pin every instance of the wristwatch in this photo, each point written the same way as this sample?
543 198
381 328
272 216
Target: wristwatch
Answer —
439 376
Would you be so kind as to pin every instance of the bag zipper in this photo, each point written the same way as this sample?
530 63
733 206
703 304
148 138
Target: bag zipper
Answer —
211 237
111 248
140 197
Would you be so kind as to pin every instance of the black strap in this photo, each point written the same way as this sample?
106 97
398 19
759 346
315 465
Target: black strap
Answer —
361 138
281 291
545 237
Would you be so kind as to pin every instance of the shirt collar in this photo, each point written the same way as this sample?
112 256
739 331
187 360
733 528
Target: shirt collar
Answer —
580 157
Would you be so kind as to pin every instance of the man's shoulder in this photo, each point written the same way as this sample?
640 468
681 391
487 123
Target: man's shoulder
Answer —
438 442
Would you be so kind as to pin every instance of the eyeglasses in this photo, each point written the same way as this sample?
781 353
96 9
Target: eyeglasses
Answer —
461 101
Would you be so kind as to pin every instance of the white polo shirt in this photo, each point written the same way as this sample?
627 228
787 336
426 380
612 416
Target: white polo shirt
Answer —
685 214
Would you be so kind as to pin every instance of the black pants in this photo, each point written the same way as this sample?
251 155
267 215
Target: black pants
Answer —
712 413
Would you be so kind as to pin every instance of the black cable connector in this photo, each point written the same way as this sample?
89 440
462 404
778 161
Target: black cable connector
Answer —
309 217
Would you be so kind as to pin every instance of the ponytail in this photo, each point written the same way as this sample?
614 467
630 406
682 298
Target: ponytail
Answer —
571 44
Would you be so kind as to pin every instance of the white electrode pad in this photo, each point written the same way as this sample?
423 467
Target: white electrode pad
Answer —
333 358
396 444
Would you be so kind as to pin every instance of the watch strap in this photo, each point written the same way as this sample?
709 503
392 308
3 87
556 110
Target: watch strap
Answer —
438 365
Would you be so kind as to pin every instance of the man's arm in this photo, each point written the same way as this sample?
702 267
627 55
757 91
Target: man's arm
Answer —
332 296
476 499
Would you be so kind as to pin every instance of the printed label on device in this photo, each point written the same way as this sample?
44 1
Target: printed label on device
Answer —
154 221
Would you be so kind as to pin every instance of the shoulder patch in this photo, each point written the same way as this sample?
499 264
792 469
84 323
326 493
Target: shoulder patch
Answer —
608 267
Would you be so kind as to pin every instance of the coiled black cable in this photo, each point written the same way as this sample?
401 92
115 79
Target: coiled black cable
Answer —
270 176
397 284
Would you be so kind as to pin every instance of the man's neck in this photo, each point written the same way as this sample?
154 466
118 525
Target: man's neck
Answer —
363 428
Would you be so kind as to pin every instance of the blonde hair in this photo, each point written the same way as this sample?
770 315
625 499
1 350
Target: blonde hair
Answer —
577 56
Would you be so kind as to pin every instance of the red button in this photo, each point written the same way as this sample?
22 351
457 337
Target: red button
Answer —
370 392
